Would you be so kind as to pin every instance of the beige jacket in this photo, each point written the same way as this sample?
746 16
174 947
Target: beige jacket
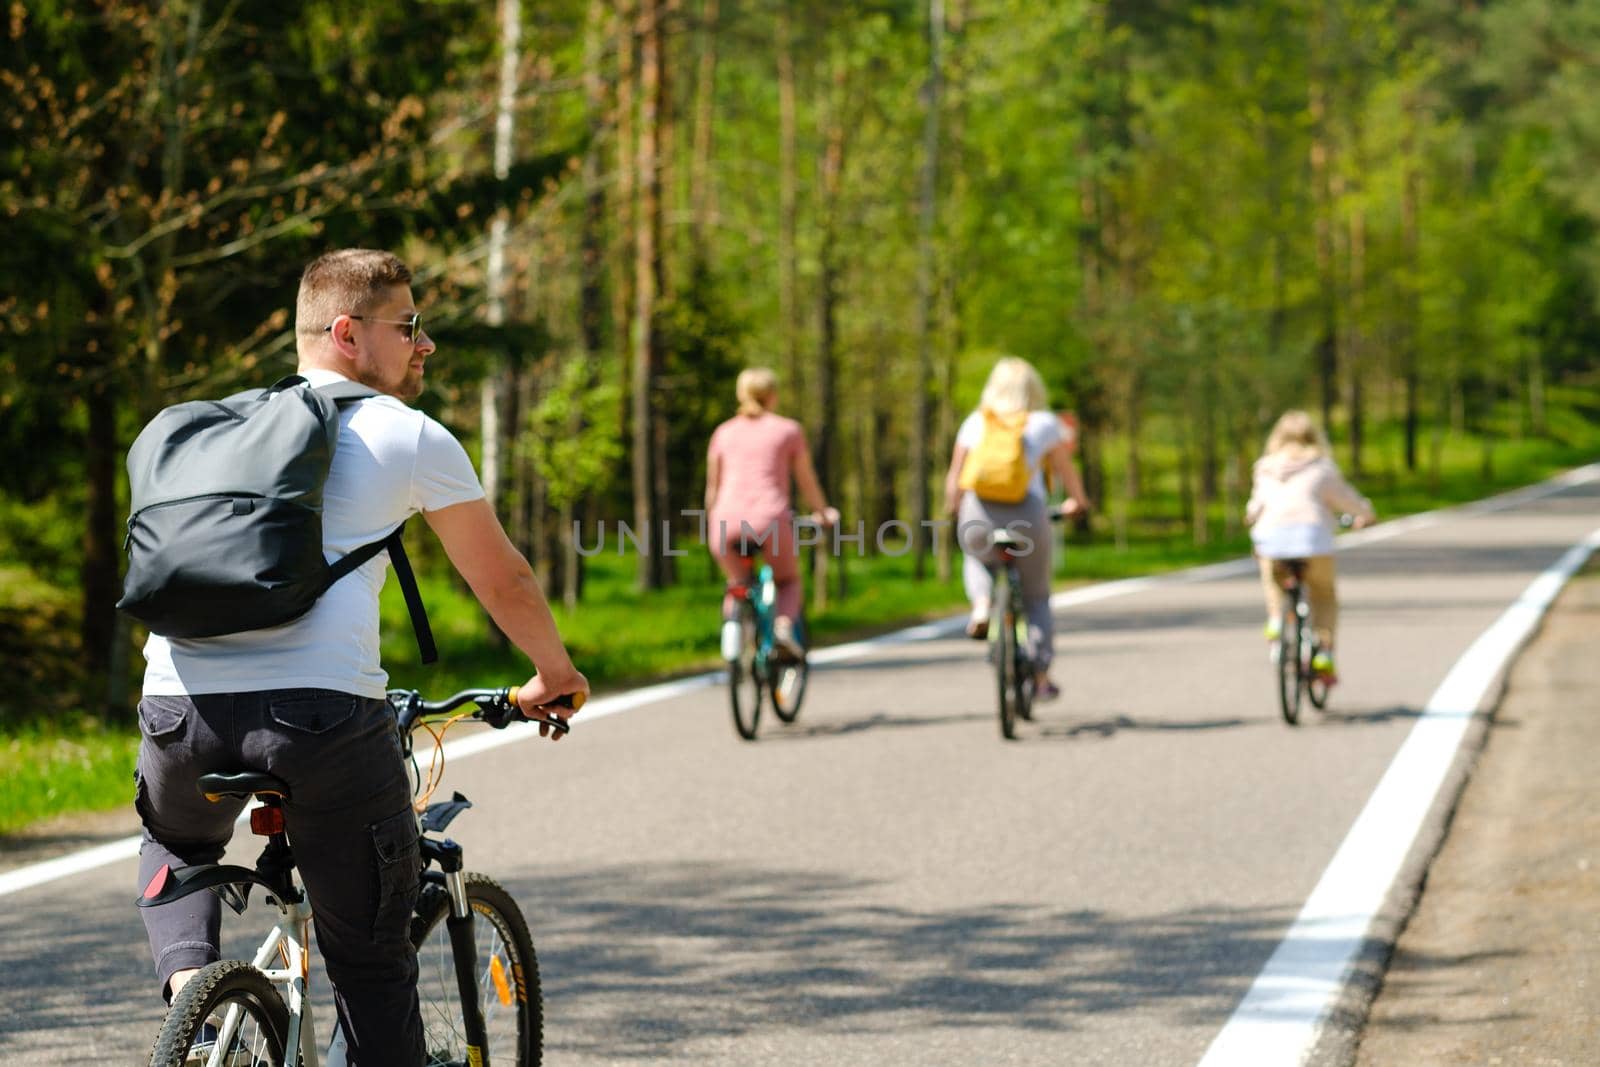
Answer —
1301 487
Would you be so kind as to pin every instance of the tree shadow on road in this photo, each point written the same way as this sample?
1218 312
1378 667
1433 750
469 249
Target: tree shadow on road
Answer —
639 960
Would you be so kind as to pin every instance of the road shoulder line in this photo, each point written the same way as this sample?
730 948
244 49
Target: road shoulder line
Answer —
1281 1017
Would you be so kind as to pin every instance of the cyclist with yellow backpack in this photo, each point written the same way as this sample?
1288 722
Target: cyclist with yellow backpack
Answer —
996 481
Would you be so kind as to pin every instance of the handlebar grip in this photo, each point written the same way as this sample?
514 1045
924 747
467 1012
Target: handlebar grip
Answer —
574 701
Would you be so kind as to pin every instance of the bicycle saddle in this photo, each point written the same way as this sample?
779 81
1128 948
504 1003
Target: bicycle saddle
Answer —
241 784
1004 539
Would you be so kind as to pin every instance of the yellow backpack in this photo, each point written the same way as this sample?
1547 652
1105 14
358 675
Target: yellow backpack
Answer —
997 469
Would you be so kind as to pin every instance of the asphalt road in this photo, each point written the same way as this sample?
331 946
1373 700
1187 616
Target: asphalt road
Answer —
887 882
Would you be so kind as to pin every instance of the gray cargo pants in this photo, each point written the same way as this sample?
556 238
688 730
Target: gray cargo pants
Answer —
350 826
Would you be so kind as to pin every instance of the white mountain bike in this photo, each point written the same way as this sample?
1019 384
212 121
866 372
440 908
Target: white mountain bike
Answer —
479 978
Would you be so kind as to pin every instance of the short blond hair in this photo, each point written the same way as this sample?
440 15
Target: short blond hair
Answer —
349 281
1296 429
1014 385
756 389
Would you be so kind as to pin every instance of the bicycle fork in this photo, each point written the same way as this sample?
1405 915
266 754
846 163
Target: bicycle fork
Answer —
462 946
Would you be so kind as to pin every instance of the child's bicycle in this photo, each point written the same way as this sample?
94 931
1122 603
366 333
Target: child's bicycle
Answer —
1296 646
757 669
479 978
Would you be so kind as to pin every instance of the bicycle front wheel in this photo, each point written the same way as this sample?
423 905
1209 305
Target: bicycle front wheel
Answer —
228 998
789 689
507 973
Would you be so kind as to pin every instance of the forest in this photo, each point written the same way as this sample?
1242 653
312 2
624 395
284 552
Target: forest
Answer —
1188 214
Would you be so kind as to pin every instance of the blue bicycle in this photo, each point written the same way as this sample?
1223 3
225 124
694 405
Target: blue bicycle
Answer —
758 669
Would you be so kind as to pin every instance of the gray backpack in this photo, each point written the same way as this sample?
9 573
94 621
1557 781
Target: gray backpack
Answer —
225 530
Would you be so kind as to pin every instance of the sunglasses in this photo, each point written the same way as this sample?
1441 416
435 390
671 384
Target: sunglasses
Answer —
410 329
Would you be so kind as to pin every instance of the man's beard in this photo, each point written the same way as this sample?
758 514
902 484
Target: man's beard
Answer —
408 389
411 386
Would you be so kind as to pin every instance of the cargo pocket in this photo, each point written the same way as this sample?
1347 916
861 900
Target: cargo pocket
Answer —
314 712
162 719
399 874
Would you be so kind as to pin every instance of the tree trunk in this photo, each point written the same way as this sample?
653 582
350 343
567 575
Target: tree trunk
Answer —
496 384
830 170
625 209
101 566
591 284
1536 418
925 272
788 199
644 282
1327 345
1356 347
1410 330
701 196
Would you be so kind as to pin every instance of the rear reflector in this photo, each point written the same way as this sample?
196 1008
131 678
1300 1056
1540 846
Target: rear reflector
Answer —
266 821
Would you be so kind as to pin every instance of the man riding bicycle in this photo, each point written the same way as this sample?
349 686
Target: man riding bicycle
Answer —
305 700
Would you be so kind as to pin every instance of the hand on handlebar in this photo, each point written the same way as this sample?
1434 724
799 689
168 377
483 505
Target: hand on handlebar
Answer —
556 697
1074 506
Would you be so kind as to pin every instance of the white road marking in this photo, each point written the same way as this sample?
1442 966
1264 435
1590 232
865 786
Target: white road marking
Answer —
1282 1016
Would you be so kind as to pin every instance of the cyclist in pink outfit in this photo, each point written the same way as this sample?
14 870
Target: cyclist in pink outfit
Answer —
1294 503
754 460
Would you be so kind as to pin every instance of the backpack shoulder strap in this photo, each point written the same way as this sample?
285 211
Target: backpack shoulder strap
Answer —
403 574
346 392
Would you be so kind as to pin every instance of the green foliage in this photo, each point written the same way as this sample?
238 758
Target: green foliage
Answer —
574 433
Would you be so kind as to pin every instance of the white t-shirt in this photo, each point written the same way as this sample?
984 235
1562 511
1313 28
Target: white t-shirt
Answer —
1042 432
392 461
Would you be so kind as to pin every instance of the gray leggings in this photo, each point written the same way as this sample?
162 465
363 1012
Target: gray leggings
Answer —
976 522
350 825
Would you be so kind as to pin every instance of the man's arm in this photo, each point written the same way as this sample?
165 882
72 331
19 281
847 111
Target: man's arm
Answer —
504 583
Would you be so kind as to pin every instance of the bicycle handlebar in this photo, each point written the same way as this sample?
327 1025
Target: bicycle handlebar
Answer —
497 707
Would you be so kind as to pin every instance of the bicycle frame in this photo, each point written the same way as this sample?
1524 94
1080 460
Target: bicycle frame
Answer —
1296 638
287 942
760 594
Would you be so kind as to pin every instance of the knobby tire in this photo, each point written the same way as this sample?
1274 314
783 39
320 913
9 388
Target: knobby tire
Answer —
260 1034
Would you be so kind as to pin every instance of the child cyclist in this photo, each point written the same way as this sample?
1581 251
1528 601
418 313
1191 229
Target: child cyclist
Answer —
1296 497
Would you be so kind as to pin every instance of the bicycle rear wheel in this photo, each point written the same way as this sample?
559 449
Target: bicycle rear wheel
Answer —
1316 684
1289 667
198 1012
746 680
508 978
1022 675
1003 629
